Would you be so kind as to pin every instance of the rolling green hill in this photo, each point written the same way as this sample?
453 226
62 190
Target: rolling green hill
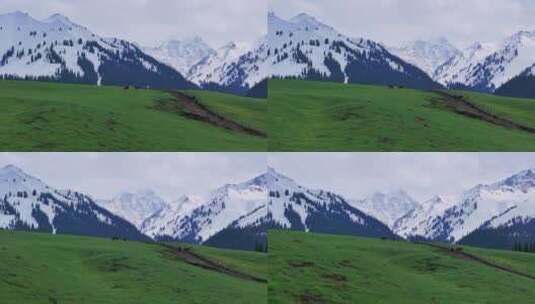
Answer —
43 268
250 112
321 116
314 268
39 116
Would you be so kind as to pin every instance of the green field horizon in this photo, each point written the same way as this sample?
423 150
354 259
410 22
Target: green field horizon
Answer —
319 268
51 117
45 268
324 117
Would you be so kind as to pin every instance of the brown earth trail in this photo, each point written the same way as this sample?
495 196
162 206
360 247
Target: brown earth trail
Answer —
188 256
193 109
460 105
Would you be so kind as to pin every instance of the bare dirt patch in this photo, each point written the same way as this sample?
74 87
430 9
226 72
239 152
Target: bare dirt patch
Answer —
460 105
190 107
470 257
300 264
188 256
310 298
338 278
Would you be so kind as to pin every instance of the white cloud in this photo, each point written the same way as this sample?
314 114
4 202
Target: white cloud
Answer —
152 22
393 21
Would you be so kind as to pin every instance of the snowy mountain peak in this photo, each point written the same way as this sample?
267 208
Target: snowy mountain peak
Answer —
428 55
182 55
15 14
307 20
523 180
135 207
520 37
271 178
389 206
11 172
58 18
488 66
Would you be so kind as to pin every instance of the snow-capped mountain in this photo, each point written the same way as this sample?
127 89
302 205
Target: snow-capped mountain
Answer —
59 49
306 48
487 67
292 206
506 203
238 215
196 218
182 55
235 67
27 203
417 221
135 207
522 86
427 55
387 207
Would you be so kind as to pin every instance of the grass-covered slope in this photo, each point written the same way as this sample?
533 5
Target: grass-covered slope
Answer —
314 268
250 112
517 109
38 116
321 116
44 268
519 261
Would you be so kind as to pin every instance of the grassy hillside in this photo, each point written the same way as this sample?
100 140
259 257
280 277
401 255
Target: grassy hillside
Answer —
320 116
517 109
251 112
519 261
250 262
313 268
62 117
42 268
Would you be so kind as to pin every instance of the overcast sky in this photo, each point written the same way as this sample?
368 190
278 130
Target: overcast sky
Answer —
103 175
393 21
150 22
422 175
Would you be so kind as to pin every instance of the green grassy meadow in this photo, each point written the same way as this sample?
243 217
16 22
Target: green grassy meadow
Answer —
249 112
321 116
515 109
43 268
39 116
315 268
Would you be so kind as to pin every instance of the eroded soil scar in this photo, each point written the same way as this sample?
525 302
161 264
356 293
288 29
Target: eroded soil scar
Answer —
470 257
190 107
187 255
460 105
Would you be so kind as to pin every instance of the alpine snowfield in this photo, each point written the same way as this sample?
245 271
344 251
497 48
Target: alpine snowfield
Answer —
303 47
61 50
244 212
507 204
484 67
27 203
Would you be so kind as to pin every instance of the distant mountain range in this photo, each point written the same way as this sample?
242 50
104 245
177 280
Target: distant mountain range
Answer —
27 203
505 67
57 49
305 48
238 215
494 215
